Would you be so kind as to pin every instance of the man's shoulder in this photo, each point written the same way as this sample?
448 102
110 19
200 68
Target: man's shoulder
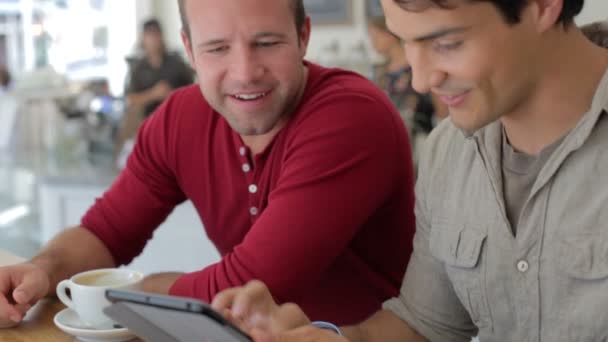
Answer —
341 82
344 92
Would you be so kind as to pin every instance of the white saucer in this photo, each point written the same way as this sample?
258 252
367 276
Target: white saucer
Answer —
68 321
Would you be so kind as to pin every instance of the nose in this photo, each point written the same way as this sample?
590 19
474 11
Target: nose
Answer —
425 74
245 66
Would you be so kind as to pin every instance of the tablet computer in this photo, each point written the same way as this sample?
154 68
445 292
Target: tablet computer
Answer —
156 317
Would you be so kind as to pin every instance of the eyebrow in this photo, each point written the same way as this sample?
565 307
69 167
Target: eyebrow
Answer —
210 43
438 34
270 35
213 42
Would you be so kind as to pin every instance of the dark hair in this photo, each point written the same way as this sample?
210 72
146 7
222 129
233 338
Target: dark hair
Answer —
152 25
296 5
510 9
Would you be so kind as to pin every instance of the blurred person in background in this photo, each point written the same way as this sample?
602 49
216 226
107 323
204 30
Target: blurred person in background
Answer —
8 108
151 79
5 79
158 73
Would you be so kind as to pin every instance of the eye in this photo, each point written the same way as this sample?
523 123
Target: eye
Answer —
447 47
218 49
266 44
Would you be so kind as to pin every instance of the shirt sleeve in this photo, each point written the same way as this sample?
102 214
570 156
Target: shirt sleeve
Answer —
427 301
141 197
343 164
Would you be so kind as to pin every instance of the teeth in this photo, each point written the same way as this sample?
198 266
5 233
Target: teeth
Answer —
249 97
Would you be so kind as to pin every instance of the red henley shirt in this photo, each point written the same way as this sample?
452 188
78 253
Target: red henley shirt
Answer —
325 218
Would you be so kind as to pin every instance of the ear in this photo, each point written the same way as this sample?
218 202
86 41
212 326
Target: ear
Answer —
304 36
548 12
188 46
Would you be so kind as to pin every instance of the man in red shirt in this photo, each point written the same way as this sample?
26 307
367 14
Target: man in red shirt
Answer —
302 175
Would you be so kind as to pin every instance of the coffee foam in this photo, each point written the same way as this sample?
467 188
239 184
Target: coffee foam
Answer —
106 279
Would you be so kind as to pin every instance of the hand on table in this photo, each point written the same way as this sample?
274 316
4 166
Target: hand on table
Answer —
21 286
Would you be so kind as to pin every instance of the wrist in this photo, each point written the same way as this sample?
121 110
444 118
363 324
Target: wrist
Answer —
48 265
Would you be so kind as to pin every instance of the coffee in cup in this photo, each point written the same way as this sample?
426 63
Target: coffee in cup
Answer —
87 293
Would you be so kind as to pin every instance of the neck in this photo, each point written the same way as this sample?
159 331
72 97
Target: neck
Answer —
570 75
155 58
257 143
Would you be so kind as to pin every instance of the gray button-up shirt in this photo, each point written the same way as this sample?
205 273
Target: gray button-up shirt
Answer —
469 275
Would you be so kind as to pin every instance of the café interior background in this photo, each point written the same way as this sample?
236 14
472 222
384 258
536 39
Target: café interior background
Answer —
69 60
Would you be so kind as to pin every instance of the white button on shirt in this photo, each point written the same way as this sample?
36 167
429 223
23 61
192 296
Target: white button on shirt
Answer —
253 211
522 266
246 168
253 188
242 151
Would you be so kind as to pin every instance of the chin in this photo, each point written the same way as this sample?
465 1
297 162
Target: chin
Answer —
469 120
464 124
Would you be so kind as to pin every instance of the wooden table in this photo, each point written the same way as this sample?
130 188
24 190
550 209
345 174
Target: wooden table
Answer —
38 324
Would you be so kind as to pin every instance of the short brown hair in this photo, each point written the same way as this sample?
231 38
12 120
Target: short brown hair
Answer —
296 5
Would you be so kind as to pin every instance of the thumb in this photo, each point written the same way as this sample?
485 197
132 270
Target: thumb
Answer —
22 295
30 290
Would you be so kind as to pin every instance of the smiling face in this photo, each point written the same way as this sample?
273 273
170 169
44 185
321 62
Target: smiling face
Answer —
480 66
248 57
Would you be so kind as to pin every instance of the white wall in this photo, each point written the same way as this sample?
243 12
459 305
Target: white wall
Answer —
168 13
594 10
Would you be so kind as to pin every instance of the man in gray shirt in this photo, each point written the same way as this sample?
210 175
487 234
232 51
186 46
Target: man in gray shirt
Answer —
512 232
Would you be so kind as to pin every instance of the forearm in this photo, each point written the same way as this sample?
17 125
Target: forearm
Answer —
74 250
383 326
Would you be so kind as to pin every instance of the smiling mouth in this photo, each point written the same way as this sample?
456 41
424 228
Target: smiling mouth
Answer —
453 100
249 97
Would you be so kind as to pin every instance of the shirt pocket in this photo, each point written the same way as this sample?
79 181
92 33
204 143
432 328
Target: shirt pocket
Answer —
583 260
585 257
460 249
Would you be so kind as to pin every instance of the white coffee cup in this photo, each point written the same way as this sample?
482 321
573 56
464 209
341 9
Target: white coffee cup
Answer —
87 293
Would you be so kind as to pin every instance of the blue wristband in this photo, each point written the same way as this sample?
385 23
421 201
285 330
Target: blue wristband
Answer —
328 326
